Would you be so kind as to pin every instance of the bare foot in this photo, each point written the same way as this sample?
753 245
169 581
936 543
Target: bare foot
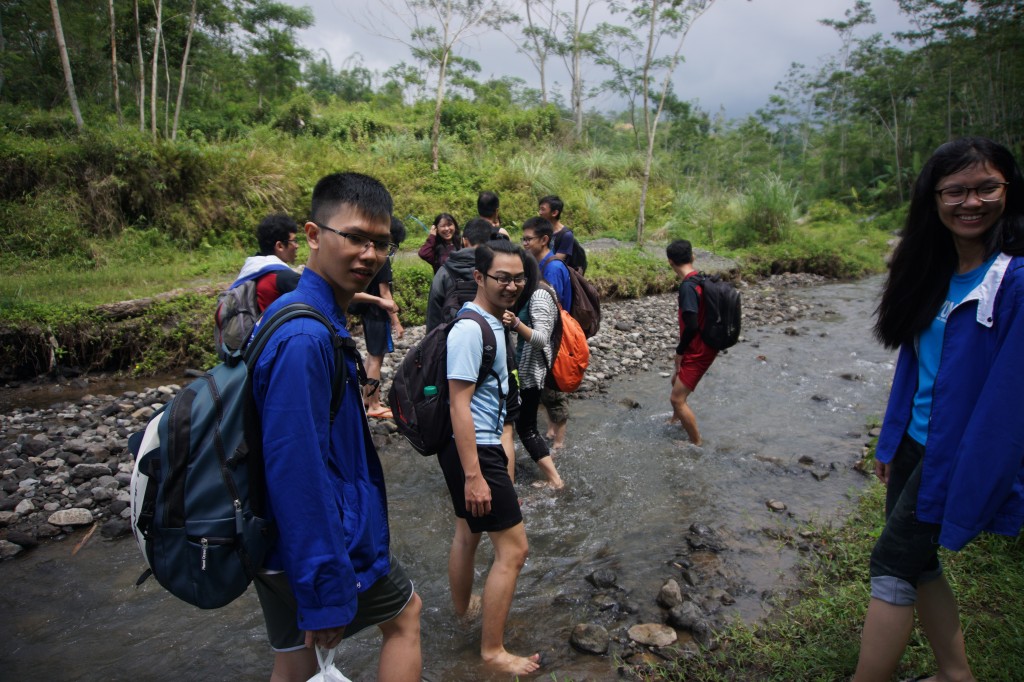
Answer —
514 665
555 447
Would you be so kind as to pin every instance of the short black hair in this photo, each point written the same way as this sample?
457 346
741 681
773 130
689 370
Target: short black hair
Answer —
478 231
487 204
679 252
363 193
397 230
554 202
276 227
484 254
541 227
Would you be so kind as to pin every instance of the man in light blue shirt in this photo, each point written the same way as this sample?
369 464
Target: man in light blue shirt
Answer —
475 465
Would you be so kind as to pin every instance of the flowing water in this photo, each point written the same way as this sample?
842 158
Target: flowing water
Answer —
634 487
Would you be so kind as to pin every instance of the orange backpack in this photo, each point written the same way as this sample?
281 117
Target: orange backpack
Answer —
572 354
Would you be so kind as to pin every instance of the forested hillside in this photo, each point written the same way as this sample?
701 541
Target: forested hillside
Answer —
142 140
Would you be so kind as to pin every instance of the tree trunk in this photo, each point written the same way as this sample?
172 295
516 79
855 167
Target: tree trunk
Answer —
184 70
142 70
577 77
435 133
167 89
113 64
156 67
3 48
58 31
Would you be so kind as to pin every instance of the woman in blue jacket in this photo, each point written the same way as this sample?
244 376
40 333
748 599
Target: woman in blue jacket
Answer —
951 451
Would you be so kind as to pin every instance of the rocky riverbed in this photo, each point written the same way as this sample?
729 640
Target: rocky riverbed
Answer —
67 465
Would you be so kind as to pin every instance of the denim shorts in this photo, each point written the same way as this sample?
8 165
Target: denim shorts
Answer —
907 552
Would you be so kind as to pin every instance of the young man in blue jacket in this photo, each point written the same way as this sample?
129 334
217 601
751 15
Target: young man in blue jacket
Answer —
330 573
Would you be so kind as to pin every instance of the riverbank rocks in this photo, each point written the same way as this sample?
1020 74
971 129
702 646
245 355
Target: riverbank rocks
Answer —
652 634
69 461
590 638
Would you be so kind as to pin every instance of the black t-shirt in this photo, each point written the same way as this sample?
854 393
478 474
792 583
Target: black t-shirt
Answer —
384 276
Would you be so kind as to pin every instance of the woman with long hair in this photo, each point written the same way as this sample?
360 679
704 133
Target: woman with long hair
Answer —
951 450
444 238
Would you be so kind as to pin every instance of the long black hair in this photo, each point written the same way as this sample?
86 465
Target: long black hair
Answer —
926 256
456 236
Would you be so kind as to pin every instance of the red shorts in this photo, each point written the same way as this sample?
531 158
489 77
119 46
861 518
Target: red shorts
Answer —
693 366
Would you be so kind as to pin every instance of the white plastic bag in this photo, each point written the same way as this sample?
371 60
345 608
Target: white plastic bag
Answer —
328 673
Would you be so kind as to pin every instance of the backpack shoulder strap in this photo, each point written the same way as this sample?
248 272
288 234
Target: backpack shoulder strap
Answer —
290 312
490 343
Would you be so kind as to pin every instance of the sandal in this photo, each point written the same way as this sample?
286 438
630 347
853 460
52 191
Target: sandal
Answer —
382 413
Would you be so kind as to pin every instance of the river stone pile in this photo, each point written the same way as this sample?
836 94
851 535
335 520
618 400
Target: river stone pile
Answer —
68 466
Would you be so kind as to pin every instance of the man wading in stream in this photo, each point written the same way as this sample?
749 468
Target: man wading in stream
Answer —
693 356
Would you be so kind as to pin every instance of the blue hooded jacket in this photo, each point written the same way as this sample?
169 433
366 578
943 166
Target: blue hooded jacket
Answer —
972 477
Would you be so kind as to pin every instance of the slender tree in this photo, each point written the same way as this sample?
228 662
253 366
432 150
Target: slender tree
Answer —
158 5
184 69
437 28
670 20
113 62
69 81
142 69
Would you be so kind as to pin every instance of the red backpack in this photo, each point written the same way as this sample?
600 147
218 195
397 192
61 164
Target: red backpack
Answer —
572 353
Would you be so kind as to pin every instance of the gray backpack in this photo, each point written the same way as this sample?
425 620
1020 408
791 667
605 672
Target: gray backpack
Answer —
235 316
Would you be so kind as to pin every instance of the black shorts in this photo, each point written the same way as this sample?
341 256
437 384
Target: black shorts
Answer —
505 511
378 336
385 599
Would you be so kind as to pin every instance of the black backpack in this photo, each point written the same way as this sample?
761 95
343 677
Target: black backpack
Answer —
722 311
578 259
458 293
419 392
198 491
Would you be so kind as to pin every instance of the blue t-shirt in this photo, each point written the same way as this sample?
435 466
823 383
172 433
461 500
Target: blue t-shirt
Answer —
929 348
556 273
465 352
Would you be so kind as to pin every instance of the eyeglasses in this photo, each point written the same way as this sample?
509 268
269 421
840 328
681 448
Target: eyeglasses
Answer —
504 279
382 247
292 241
527 240
956 195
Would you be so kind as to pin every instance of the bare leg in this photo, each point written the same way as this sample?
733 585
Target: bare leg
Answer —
294 666
460 565
886 633
510 550
547 466
558 431
940 619
682 411
371 394
400 657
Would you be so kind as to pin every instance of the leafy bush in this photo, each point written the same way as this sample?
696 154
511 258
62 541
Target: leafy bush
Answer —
766 211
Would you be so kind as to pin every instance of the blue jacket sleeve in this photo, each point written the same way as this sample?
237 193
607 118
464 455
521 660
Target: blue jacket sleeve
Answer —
293 395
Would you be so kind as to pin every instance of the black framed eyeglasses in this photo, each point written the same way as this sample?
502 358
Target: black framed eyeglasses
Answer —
382 247
505 279
527 240
956 195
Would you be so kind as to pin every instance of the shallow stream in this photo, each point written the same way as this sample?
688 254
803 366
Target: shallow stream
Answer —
634 487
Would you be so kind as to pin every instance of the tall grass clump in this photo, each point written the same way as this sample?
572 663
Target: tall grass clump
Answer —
766 211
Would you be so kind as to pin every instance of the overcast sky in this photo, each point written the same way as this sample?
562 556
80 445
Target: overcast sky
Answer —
735 53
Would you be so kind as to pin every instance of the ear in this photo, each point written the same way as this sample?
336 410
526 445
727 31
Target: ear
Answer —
479 278
312 236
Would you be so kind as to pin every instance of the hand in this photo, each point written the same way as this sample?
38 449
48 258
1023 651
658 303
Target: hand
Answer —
325 639
433 230
882 470
508 318
397 328
478 496
388 305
